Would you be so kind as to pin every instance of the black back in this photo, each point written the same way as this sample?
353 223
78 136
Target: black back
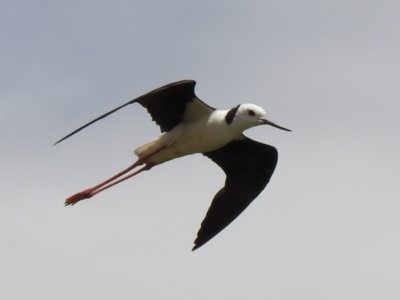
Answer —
248 164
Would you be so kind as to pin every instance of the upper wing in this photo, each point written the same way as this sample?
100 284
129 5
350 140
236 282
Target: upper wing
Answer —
167 105
248 166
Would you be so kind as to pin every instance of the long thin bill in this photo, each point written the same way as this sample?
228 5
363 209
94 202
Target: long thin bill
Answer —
274 125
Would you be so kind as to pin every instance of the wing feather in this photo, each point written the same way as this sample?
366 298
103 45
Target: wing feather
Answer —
166 105
248 166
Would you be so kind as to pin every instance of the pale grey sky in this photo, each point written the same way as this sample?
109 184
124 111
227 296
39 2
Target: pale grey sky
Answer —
326 227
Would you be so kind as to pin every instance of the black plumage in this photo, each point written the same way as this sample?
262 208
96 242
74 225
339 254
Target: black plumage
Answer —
248 164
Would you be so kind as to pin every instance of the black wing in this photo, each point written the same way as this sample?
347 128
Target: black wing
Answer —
248 166
166 105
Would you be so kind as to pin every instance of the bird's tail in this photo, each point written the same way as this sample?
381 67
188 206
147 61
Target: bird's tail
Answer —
148 148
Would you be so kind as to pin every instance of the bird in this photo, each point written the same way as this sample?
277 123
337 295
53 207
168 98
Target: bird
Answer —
190 126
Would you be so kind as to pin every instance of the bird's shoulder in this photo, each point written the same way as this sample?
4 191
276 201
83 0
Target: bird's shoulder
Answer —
173 103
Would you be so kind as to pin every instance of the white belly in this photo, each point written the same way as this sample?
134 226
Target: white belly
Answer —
190 138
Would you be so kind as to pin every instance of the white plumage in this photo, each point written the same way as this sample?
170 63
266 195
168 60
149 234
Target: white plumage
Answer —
190 126
201 133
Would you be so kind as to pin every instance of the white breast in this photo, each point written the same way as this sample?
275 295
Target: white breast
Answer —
193 137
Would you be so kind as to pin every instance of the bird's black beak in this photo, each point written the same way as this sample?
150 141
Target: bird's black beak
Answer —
265 121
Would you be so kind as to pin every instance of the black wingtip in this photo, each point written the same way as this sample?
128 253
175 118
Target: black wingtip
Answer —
97 119
64 138
58 141
199 243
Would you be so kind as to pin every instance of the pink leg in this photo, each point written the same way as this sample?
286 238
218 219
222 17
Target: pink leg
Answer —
145 168
88 193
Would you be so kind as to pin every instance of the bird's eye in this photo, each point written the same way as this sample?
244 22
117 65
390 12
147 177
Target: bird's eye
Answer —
251 112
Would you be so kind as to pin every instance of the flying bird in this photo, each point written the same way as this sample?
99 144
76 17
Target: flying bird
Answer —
190 126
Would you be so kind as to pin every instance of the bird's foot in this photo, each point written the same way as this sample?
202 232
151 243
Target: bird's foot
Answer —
78 197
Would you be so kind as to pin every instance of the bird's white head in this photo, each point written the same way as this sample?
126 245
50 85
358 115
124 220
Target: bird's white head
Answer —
248 115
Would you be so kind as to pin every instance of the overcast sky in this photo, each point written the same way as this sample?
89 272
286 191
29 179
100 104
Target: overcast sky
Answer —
326 227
